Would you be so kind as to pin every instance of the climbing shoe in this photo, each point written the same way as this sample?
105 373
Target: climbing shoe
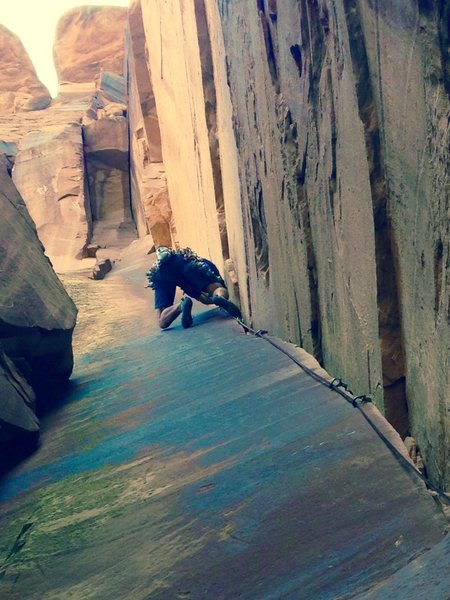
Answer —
227 305
186 309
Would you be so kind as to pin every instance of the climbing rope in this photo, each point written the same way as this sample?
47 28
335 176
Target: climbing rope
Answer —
357 402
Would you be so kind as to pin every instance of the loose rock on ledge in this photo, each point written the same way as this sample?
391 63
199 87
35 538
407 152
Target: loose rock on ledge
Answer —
101 269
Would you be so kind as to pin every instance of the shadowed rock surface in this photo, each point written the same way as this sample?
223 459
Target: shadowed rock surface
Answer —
37 316
17 406
204 464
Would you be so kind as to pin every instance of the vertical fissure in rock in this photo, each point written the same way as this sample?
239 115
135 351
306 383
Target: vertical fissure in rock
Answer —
438 265
129 175
209 92
302 201
88 201
313 49
387 268
295 189
259 230
444 39
267 26
296 53
298 322
332 182
309 57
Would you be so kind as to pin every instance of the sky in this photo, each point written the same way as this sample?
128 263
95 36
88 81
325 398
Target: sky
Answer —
34 21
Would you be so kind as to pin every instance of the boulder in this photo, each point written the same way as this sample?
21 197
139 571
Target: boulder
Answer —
91 250
37 317
20 87
89 39
102 268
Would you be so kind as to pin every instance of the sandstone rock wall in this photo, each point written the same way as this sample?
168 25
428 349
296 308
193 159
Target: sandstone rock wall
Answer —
49 173
330 121
177 80
106 156
150 200
37 316
409 102
20 88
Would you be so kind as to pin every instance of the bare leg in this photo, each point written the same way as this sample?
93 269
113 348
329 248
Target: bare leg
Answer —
167 316
218 295
213 289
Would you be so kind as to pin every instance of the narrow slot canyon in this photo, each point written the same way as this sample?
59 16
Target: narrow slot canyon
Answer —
291 441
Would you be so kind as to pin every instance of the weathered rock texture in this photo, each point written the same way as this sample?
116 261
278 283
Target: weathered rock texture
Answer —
319 130
89 39
150 200
177 83
49 173
20 88
37 317
106 155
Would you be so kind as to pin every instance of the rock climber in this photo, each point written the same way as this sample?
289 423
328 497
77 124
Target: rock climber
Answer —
198 277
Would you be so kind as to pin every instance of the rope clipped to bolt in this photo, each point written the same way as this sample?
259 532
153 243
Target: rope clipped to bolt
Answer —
357 402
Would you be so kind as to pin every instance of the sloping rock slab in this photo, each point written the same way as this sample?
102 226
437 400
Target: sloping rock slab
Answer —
428 576
224 470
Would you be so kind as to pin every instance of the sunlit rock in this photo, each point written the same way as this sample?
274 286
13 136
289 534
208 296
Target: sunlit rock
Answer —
149 194
72 159
49 172
180 95
89 39
20 88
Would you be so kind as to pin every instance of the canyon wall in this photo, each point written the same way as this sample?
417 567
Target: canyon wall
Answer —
89 39
72 158
177 81
308 141
149 196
